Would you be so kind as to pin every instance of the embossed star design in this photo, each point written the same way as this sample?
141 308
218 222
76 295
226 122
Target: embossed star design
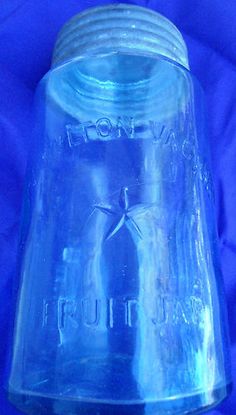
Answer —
123 214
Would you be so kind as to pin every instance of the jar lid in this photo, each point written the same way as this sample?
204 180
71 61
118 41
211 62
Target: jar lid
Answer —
120 28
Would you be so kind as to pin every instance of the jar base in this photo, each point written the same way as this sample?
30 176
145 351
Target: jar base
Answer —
194 404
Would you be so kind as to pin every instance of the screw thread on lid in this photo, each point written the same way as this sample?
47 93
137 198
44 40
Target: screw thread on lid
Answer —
120 28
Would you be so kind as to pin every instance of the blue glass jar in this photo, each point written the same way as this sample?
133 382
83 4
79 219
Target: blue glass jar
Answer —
121 307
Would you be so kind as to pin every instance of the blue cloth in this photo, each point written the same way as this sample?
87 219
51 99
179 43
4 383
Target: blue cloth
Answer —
28 29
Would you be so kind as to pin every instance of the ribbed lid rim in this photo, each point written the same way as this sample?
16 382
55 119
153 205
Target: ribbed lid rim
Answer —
119 28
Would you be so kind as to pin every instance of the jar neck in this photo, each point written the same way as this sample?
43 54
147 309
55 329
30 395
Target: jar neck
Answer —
120 28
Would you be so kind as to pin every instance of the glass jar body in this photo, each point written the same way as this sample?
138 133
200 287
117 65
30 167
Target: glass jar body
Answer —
120 307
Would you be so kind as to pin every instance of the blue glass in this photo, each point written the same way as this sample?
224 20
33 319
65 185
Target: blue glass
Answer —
121 306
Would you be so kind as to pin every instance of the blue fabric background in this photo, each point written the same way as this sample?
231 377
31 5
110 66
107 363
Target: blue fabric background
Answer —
28 30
